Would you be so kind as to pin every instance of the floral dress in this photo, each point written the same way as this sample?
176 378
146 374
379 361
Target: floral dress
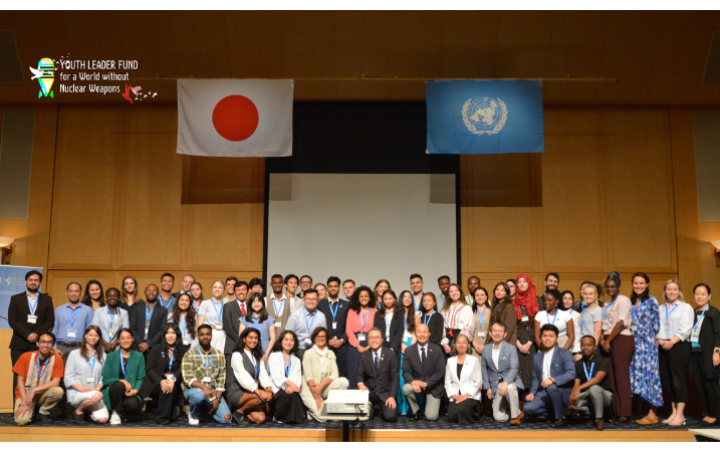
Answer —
644 368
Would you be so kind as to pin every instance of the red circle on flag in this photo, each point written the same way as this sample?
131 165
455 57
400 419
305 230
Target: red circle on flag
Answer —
235 118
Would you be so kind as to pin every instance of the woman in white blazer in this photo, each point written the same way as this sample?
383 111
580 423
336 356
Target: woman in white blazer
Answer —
463 383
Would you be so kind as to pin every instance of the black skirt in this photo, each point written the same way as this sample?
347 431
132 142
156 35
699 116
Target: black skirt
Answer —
288 408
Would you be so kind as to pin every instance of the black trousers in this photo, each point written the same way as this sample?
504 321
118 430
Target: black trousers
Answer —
388 415
121 403
14 356
708 389
674 364
164 404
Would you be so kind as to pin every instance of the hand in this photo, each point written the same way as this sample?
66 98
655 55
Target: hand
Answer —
527 346
362 387
489 394
289 389
208 393
447 348
390 403
529 397
716 359
86 389
214 405
605 345
572 402
402 348
292 386
29 397
143 347
108 347
32 337
667 345
502 389
127 385
22 409
335 343
265 358
546 382
131 393
578 357
58 352
479 347
316 390
416 389
167 386
362 349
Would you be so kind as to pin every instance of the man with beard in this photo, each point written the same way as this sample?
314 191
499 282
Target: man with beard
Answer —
335 311
147 320
472 284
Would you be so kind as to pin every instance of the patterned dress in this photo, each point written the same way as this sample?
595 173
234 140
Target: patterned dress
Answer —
644 368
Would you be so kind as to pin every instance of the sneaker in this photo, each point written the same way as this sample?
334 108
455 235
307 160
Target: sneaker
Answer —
115 419
240 418
192 421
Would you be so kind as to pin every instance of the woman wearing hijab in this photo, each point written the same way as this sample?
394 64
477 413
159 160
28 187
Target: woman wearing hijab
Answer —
526 307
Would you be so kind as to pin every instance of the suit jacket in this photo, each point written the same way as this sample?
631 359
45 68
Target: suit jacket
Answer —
433 373
385 379
340 318
437 328
470 381
231 325
709 339
158 320
312 370
135 372
562 369
18 312
396 331
508 370
156 367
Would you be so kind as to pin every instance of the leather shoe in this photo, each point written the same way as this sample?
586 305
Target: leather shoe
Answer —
589 423
44 419
415 417
599 424
516 421
561 423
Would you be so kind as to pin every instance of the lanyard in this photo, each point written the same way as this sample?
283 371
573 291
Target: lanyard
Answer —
608 306
287 366
554 317
254 364
148 313
197 311
584 313
701 317
222 305
588 376
363 322
92 363
634 314
278 310
172 357
165 305
112 316
481 317
183 325
33 307
426 319
122 366
255 320
72 318
668 312
337 306
309 325
207 364
414 301
37 358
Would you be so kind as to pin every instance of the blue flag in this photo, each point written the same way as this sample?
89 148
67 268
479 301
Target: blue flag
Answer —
468 117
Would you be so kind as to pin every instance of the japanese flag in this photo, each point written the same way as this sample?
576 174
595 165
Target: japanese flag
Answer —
235 117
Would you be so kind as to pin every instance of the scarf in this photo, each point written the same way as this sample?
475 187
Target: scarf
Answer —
31 380
322 356
528 299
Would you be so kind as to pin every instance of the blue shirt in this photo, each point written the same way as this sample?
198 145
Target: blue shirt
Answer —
81 318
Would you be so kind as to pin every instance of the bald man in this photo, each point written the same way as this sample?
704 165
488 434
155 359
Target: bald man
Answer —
424 372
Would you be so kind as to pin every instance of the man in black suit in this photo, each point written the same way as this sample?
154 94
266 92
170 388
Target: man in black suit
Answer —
232 312
147 320
30 313
335 311
187 281
378 372
424 372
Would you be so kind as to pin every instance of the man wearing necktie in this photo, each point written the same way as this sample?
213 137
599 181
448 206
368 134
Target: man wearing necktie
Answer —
378 372
424 372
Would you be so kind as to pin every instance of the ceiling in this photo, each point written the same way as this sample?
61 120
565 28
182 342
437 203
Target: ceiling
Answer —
657 57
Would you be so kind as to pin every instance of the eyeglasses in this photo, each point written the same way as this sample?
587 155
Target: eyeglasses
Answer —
320 336
47 342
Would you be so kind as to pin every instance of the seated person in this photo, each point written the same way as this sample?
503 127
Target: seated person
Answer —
83 377
203 375
592 385
424 372
320 373
501 380
123 375
38 381
463 382
378 372
163 380
286 379
249 391
553 379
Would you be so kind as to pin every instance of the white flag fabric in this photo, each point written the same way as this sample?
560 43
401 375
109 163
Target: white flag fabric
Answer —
238 118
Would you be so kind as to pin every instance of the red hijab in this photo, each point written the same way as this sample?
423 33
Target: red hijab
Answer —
528 299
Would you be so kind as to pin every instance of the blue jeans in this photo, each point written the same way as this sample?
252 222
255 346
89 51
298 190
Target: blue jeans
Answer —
199 404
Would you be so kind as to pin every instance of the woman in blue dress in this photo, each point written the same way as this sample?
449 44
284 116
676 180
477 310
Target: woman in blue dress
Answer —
257 317
408 311
645 368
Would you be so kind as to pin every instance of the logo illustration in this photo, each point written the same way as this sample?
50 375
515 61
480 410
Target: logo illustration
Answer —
8 280
484 115
46 76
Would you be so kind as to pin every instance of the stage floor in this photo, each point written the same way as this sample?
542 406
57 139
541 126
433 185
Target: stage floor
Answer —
373 430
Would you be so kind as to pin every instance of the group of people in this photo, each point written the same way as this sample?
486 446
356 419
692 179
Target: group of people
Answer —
244 356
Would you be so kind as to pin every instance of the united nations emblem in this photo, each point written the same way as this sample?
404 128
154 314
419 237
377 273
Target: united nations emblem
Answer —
484 115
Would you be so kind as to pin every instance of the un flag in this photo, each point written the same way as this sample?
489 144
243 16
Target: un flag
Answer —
494 116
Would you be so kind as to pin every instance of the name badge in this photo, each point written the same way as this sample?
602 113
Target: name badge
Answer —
169 377
694 339
186 341
90 380
524 318
32 318
308 342
362 337
633 328
387 338
206 380
605 327
71 334
278 324
334 326
481 334
218 327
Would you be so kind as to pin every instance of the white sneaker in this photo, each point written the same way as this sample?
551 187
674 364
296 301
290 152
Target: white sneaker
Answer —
115 419
192 421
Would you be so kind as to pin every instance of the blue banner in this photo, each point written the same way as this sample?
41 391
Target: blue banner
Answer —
494 116
12 281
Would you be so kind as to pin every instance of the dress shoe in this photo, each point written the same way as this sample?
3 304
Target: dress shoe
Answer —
162 421
589 423
415 417
516 421
78 418
240 418
706 424
599 424
647 421
44 419
620 420
560 423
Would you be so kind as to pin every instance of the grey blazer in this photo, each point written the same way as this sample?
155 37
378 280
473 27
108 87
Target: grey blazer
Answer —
508 369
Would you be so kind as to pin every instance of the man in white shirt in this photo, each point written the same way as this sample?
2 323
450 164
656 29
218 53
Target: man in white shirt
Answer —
500 377
291 285
279 306
303 321
416 286
444 285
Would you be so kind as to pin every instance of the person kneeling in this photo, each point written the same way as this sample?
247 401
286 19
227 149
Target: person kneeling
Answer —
286 378
320 374
163 382
500 376
249 375
463 383
592 385
553 378
424 370
38 382
378 373
123 375
83 377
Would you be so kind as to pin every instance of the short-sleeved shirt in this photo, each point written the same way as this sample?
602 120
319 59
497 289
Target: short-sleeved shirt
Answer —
560 320
22 366
263 327
618 310
212 312
589 316
601 365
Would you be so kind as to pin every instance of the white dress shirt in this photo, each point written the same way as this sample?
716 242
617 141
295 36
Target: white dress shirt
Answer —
496 355
420 347
276 363
677 321
246 380
547 363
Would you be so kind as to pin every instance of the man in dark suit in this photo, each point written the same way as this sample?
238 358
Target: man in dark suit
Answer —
553 379
147 320
335 311
424 372
187 281
378 372
30 313
232 312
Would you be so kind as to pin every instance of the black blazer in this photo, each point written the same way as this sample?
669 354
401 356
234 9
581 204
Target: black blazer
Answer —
433 373
231 325
158 320
384 380
709 339
156 368
340 318
437 328
18 312
396 331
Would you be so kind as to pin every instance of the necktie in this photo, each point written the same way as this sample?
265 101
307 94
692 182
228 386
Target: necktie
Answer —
377 360
422 355
242 308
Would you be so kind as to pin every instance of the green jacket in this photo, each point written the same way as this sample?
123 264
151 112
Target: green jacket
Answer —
111 373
